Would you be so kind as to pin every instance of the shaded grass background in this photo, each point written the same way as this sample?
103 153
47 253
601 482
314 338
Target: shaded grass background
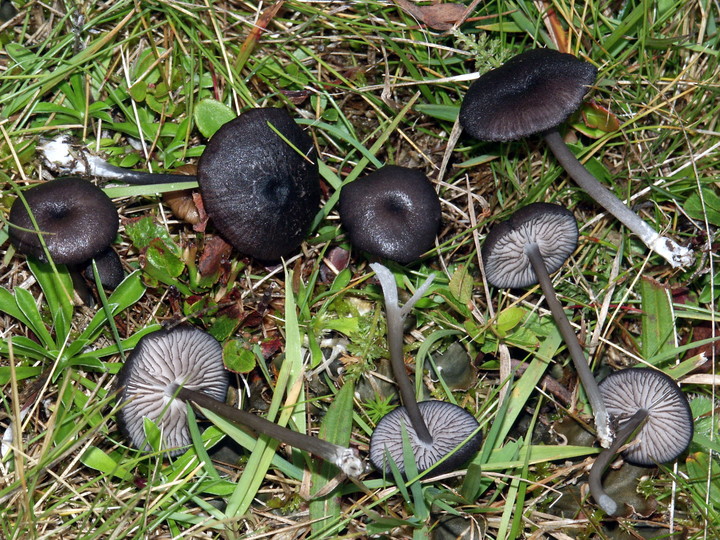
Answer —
372 85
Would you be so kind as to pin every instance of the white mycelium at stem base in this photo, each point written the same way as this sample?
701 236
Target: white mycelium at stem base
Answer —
667 248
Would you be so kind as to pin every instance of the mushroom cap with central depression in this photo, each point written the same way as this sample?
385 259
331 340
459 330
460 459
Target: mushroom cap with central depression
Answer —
448 424
532 92
161 361
260 184
668 429
78 219
552 227
393 213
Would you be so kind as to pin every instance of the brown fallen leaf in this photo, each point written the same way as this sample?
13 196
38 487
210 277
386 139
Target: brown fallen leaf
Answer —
441 16
216 250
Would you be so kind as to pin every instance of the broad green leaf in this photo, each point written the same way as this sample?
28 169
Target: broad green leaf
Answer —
658 322
97 459
27 305
211 115
21 372
9 306
448 113
508 319
709 204
25 347
461 284
57 286
237 357
699 465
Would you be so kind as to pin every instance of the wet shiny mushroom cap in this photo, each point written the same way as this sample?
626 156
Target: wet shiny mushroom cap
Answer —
260 184
531 93
449 426
550 226
668 429
79 220
161 361
393 213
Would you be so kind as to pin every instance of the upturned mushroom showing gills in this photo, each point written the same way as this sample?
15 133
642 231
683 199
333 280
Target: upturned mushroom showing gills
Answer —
436 430
393 213
77 221
524 250
648 403
168 368
533 93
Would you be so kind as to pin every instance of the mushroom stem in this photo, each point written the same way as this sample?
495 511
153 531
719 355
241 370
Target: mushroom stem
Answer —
64 157
102 169
667 248
395 317
604 500
347 459
602 421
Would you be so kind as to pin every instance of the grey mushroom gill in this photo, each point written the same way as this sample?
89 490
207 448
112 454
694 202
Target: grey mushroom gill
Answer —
258 178
437 431
534 93
524 250
170 368
648 404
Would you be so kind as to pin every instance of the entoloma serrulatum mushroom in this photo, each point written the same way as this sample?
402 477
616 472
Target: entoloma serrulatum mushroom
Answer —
77 222
393 213
435 429
168 368
524 250
644 397
258 176
533 93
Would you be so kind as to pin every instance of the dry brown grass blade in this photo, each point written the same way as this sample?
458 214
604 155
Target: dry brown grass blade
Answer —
254 36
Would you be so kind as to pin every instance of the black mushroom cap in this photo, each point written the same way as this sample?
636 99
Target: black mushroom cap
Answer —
449 426
78 219
393 213
668 429
162 361
261 190
532 92
109 267
552 227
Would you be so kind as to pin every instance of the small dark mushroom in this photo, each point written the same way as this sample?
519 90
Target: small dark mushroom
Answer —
435 429
109 267
522 251
170 367
77 221
534 92
649 398
393 213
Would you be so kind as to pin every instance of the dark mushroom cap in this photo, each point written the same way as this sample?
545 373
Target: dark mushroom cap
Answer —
110 269
393 212
449 426
532 92
79 220
184 356
260 193
668 430
552 227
